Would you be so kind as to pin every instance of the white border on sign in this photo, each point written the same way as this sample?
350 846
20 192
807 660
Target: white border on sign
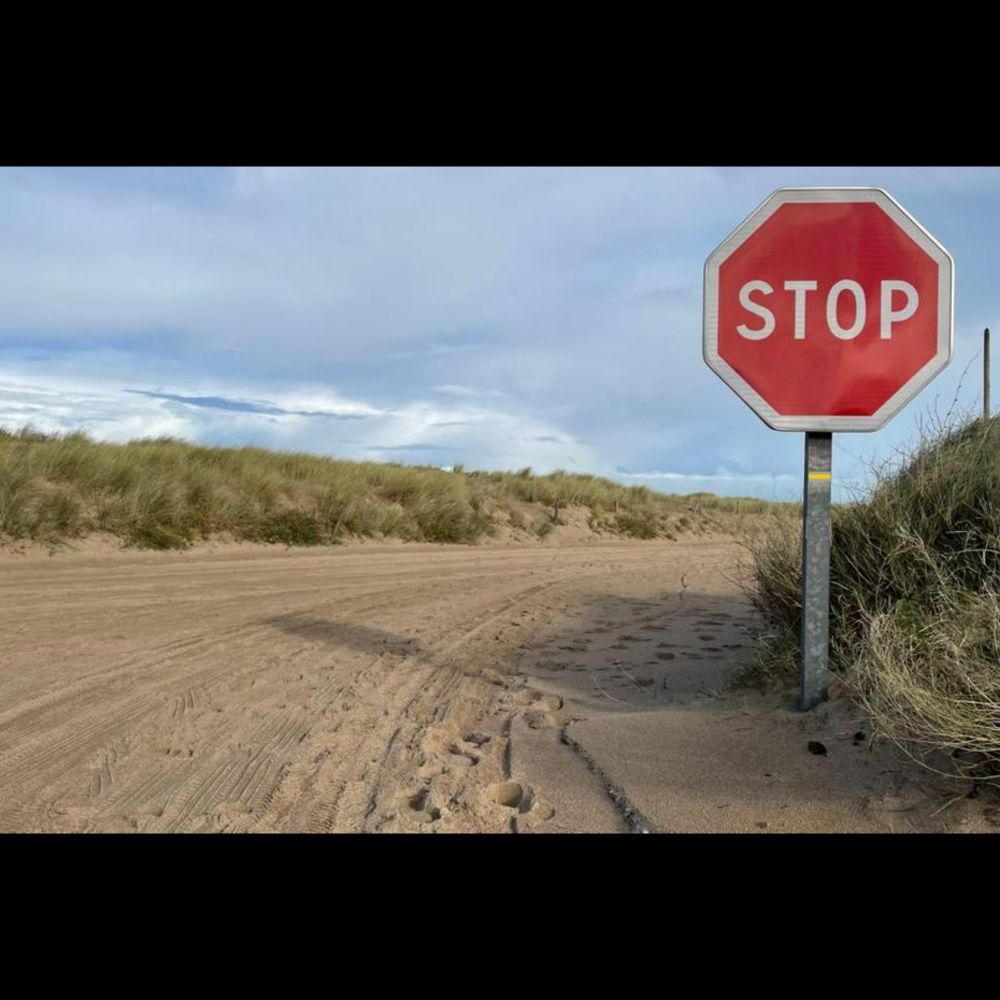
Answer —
912 228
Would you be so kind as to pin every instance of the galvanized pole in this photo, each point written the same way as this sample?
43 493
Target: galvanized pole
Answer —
816 569
986 374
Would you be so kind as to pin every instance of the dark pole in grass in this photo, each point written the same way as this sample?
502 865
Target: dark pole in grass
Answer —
986 373
816 568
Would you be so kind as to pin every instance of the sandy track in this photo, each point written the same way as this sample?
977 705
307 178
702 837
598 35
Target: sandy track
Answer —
502 688
363 688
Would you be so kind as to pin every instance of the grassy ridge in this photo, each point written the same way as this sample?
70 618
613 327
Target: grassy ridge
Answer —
165 493
915 598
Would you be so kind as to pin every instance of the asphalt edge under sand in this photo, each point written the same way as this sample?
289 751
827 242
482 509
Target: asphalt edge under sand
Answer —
634 821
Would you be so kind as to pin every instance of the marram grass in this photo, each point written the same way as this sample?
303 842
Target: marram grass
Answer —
166 493
915 599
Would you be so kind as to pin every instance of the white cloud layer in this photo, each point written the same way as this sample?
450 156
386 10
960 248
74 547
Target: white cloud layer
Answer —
309 418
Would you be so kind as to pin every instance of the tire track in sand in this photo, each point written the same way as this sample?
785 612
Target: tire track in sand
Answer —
325 700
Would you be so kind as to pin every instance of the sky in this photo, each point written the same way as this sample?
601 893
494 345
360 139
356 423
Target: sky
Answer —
493 317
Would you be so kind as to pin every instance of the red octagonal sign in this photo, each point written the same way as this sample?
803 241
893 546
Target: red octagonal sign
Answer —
828 309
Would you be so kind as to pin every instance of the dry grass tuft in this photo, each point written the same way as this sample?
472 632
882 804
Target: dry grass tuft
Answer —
166 493
915 599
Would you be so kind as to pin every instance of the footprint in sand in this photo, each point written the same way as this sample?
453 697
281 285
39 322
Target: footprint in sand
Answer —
618 645
538 709
519 798
462 758
539 713
707 638
664 655
510 795
552 665
542 809
443 743
415 807
540 720
537 700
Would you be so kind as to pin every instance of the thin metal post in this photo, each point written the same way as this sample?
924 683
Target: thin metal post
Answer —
986 374
816 568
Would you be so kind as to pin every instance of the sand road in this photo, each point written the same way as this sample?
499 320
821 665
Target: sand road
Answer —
266 689
391 687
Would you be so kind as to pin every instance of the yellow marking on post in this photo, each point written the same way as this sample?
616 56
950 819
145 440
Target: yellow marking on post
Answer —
819 475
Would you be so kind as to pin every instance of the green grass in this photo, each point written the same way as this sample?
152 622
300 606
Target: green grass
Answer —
165 493
915 598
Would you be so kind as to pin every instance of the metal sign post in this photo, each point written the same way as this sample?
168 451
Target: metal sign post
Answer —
816 534
986 373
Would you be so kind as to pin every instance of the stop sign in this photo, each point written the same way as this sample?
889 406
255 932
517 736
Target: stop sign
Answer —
828 309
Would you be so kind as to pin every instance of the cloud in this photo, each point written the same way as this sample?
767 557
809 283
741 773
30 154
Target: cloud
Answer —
293 417
724 477
410 447
246 406
540 316
462 390
770 486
